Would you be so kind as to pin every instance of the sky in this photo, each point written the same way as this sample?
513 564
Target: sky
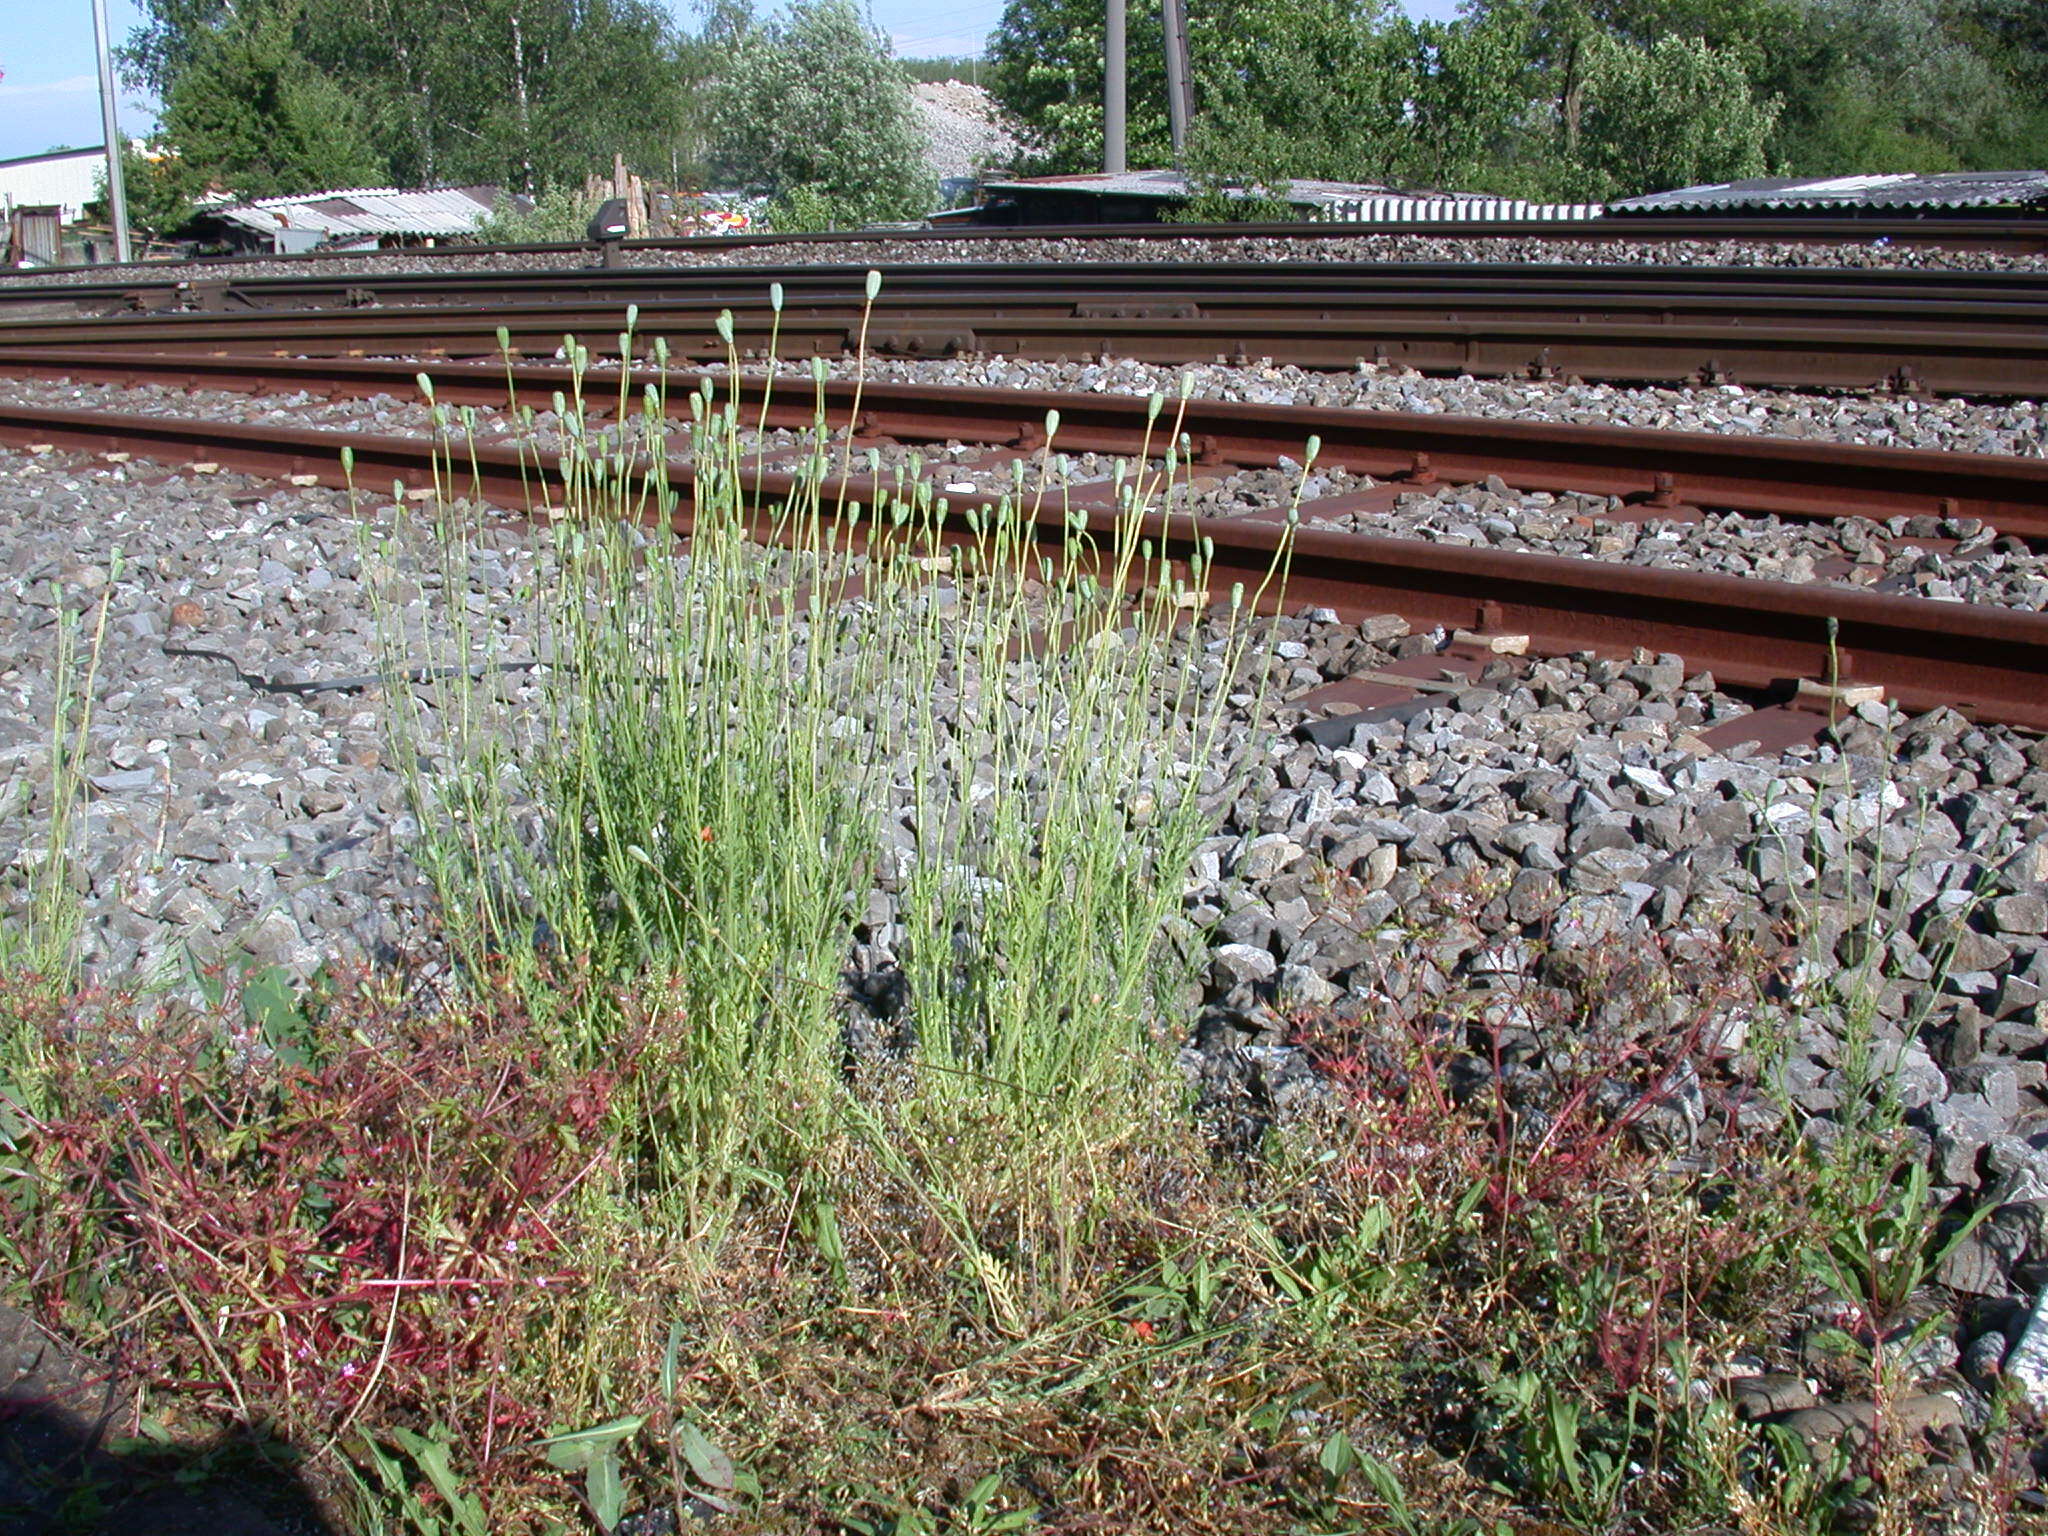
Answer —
49 88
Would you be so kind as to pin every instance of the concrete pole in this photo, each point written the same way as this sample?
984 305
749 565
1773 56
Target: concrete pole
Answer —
1178 98
1113 89
110 123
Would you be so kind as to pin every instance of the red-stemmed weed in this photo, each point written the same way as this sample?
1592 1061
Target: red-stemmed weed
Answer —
357 1223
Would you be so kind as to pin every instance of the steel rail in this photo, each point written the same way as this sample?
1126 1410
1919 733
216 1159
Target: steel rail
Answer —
2010 235
1505 288
1988 360
1751 634
1670 473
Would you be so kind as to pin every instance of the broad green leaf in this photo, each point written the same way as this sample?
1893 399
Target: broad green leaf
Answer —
574 1451
712 1467
606 1490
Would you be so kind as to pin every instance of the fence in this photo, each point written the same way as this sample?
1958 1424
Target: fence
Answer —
1453 210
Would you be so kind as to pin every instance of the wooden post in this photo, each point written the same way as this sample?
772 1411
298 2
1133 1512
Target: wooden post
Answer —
636 209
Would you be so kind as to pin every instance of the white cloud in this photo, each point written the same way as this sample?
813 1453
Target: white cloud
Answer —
71 86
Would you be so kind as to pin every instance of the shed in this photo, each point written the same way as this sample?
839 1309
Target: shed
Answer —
1144 197
1888 195
355 218
65 178
34 236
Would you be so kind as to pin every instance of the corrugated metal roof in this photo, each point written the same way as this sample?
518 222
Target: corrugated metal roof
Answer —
97 152
1455 210
1949 189
1172 184
368 211
1346 201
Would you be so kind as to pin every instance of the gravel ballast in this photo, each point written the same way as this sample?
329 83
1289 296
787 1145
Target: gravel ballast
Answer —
1956 560
1065 250
1466 856
2017 427
234 812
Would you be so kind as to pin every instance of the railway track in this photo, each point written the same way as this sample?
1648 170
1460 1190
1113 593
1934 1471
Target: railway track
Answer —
2025 236
1985 361
1486 290
1965 333
1672 475
1782 641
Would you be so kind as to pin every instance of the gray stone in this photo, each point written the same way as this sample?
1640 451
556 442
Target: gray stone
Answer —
1265 857
1606 869
1533 895
1982 1263
1962 1125
1766 1396
1984 1359
2025 913
1232 965
1300 987
126 781
1251 924
1823 1426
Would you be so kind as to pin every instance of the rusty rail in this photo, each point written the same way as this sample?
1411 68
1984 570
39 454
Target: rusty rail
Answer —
1752 634
1964 333
2014 236
1667 473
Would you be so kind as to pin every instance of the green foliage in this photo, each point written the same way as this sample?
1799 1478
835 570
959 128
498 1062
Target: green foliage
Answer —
295 95
712 810
1884 1239
938 70
559 213
1237 180
1045 68
1675 114
805 209
454 1511
1546 98
811 105
595 1453
44 887
255 114
1573 1460
159 186
1316 90
1913 85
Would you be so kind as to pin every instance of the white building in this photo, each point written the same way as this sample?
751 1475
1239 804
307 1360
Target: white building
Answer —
68 178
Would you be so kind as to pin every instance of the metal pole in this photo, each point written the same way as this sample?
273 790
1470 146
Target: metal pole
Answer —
110 123
1179 101
1113 89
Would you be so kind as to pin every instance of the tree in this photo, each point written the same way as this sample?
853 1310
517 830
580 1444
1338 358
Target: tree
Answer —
1547 98
524 93
158 186
1344 89
1045 69
811 106
1319 88
1470 107
1894 85
247 108
1675 114
519 93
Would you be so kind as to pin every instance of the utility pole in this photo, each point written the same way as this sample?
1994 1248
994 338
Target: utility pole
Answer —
1179 97
110 123
1113 89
